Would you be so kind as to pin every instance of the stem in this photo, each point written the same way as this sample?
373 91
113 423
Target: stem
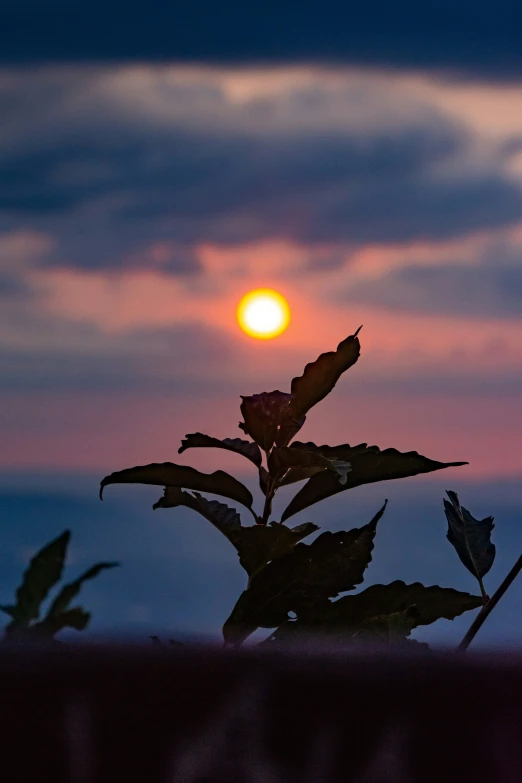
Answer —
489 606
270 492
485 596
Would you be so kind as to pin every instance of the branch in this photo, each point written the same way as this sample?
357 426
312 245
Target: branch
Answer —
489 606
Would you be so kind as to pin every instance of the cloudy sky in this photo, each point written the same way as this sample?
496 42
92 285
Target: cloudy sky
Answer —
155 165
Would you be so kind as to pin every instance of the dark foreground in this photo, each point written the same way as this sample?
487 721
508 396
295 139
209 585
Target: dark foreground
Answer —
197 715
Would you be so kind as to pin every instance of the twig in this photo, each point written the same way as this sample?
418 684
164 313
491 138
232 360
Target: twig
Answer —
489 606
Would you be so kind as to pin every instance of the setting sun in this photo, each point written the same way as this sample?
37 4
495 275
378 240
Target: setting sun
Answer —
263 313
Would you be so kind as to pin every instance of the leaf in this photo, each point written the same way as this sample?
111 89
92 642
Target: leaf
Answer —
71 590
368 464
223 517
168 474
255 544
389 628
76 618
299 474
263 480
9 610
433 603
471 537
366 611
261 543
268 418
307 575
44 571
319 377
303 464
244 447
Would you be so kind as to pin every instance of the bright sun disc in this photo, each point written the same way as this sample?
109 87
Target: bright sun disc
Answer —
263 313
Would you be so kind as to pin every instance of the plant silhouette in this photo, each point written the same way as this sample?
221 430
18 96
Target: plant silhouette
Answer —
286 575
43 573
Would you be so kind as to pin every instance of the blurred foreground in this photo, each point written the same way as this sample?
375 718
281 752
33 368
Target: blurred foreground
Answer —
202 715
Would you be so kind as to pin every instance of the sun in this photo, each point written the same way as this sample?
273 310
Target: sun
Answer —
263 313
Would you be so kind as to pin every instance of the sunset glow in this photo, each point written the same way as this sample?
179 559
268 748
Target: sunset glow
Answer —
263 313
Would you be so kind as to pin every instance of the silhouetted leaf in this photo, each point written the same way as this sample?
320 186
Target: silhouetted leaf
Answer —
255 544
301 464
433 603
76 618
268 418
307 575
71 590
471 537
264 477
388 628
319 377
288 429
368 464
168 474
224 518
366 612
44 571
244 447
262 543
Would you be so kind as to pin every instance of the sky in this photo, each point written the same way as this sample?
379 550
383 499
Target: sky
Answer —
156 163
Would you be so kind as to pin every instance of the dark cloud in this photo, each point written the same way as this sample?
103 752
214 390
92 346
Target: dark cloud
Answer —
148 195
488 289
474 38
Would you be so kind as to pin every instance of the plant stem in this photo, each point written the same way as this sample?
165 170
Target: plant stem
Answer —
489 606
270 492
485 596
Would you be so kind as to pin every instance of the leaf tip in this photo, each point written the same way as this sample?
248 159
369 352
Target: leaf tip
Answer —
103 484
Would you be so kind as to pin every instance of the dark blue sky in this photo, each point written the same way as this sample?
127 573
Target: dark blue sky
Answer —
475 39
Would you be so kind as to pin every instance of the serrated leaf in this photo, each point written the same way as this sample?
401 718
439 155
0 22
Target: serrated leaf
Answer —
76 618
386 628
244 447
471 537
268 418
307 575
255 544
301 463
433 603
71 590
366 612
319 377
223 517
167 474
368 465
260 544
44 571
